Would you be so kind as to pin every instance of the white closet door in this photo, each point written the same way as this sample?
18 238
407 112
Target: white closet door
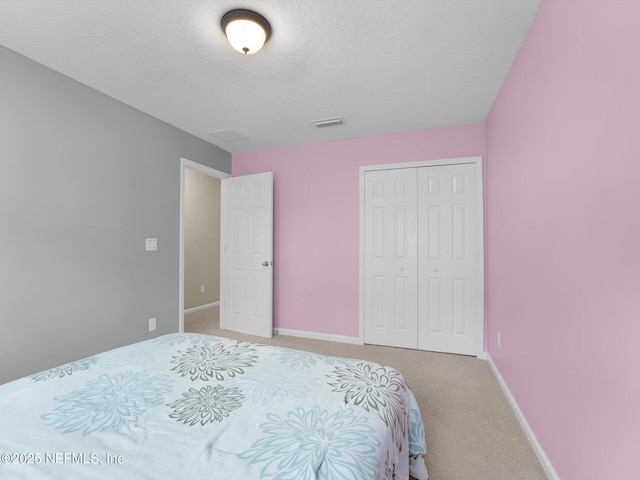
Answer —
447 210
390 264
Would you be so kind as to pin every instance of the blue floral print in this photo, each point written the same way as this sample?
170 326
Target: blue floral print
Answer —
316 444
64 370
108 402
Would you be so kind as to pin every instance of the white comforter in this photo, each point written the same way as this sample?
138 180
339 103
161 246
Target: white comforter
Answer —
190 407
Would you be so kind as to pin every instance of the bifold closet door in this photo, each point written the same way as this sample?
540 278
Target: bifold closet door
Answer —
391 258
447 253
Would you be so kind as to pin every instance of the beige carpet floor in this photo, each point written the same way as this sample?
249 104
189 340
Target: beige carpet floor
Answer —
472 433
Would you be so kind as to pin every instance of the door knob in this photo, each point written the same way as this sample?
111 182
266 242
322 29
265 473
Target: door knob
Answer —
266 263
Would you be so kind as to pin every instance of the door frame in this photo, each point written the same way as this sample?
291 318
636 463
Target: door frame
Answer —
477 161
212 172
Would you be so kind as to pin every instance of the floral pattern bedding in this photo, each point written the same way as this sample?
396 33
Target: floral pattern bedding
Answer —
189 406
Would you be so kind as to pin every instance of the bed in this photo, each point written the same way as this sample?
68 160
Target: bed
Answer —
190 407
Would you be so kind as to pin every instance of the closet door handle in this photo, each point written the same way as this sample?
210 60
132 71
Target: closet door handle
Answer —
266 263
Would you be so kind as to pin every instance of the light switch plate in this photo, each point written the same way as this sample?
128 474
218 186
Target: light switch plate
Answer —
152 324
152 244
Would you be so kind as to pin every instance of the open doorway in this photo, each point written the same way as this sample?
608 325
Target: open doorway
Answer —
199 243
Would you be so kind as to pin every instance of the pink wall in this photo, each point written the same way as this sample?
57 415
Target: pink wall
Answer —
563 235
316 217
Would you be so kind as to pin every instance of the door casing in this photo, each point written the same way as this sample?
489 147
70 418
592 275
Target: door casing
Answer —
198 167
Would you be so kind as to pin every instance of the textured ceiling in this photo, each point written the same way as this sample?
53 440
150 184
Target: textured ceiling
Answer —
384 65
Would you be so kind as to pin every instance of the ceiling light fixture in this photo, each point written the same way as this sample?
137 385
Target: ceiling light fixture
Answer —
247 31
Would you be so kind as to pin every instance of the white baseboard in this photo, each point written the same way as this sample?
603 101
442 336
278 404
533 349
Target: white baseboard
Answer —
537 448
318 336
483 356
201 307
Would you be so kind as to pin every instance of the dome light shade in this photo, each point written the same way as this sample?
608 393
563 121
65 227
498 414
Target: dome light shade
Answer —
247 31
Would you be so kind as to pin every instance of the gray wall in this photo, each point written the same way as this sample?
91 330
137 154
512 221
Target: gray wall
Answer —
84 179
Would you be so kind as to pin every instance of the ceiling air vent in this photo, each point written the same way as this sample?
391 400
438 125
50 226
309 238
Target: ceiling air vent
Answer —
328 122
229 135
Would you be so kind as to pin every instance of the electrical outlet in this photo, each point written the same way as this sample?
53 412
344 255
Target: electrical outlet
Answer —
152 324
201 288
498 339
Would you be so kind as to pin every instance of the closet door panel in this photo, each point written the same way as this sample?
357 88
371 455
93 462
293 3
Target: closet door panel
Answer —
390 264
447 286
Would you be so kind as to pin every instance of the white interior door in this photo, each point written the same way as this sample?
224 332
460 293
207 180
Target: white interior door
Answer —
390 258
246 264
448 260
